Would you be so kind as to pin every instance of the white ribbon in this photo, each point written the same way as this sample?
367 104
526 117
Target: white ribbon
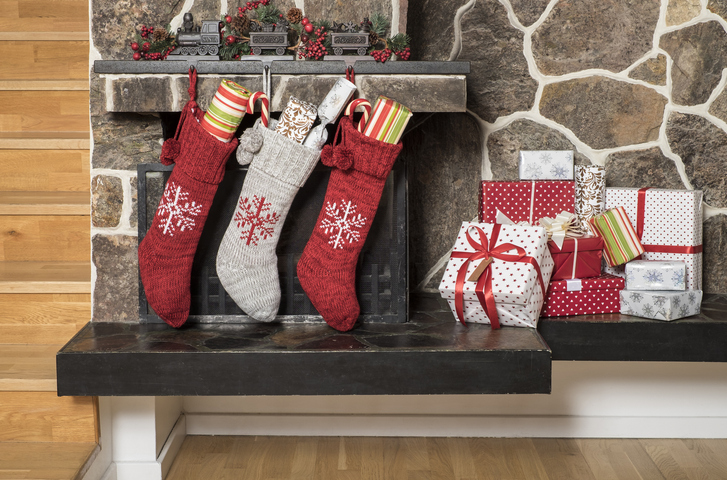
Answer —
562 226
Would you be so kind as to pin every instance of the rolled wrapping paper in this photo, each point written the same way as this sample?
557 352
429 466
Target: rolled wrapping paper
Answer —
226 110
388 120
363 103
335 101
619 237
297 119
264 107
590 193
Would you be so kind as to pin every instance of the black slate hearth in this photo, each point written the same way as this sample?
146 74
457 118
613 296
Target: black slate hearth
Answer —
430 354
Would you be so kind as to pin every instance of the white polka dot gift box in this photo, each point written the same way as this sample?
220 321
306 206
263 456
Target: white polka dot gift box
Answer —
669 224
656 275
661 305
498 274
526 201
546 165
584 296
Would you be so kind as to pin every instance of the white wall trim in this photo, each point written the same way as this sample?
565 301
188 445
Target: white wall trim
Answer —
172 445
457 426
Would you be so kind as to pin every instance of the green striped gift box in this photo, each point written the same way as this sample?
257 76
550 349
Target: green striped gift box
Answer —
619 237
388 120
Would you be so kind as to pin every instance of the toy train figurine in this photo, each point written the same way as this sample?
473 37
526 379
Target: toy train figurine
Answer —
269 36
198 41
346 37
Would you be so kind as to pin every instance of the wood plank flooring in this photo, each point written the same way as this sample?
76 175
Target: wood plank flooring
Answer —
354 458
44 460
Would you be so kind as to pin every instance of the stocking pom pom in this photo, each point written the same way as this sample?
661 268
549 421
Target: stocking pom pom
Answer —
339 157
326 155
250 143
170 151
343 158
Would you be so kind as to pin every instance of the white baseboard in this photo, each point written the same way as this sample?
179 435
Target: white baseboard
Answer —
172 445
457 426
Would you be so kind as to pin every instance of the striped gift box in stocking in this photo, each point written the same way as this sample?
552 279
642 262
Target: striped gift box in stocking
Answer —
226 110
388 120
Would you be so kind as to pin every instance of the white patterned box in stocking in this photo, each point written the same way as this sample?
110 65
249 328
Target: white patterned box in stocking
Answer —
669 224
661 305
518 279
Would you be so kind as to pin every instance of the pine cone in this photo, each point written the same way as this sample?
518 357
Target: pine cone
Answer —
160 34
295 15
373 38
241 23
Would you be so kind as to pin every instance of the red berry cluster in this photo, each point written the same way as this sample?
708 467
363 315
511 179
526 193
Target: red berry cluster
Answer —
313 48
381 55
252 6
146 31
403 54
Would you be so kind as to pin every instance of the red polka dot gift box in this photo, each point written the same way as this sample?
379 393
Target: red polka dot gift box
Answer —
498 274
668 223
526 201
585 296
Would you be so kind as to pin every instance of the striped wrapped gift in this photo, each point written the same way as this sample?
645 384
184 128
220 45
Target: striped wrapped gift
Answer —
226 110
388 120
619 237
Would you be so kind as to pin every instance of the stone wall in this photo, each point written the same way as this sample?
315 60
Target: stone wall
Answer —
637 86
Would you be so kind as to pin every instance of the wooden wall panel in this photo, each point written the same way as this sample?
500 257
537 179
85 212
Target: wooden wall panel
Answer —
45 238
44 60
53 111
45 170
46 417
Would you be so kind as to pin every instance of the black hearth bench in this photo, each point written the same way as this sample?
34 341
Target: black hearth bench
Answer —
430 354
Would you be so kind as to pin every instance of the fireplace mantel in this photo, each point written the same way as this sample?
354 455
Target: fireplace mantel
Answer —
151 87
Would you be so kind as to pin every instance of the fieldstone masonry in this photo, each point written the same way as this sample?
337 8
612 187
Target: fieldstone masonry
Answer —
636 86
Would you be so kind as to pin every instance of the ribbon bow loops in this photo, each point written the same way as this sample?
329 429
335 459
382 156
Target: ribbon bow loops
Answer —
565 224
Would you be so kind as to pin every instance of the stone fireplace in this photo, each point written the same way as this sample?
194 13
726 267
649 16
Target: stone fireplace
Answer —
646 99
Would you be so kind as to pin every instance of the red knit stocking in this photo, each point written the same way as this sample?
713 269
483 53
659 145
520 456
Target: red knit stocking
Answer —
167 251
327 268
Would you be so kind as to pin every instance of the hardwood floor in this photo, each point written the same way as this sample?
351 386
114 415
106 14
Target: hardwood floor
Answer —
354 458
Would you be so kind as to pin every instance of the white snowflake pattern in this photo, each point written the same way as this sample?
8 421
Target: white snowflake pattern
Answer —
692 298
683 311
533 170
342 223
630 277
659 301
636 297
559 171
648 310
176 211
255 220
546 158
678 278
653 276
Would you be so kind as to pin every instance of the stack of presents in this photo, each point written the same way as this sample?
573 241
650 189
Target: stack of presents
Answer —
558 242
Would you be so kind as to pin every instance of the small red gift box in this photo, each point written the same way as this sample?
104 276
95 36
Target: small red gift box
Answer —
526 201
579 258
583 296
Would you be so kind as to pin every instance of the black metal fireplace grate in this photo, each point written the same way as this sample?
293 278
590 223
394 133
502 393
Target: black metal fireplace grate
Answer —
381 281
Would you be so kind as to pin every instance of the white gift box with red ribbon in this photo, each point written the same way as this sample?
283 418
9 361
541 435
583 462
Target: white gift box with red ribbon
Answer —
511 288
669 224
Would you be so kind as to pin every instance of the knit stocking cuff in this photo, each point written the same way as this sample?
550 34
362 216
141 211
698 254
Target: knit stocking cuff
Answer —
370 156
202 156
284 159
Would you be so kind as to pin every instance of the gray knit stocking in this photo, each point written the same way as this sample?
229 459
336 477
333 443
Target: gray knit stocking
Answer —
247 265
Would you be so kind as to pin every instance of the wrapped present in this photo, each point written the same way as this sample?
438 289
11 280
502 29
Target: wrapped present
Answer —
297 119
590 192
527 201
577 258
668 223
661 305
583 296
388 120
498 274
656 275
546 165
226 110
620 241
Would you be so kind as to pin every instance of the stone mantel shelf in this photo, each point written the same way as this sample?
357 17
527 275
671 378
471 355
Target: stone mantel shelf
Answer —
160 86
332 67
431 354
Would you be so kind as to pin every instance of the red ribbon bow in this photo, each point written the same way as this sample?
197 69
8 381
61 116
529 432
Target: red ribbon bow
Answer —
485 250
